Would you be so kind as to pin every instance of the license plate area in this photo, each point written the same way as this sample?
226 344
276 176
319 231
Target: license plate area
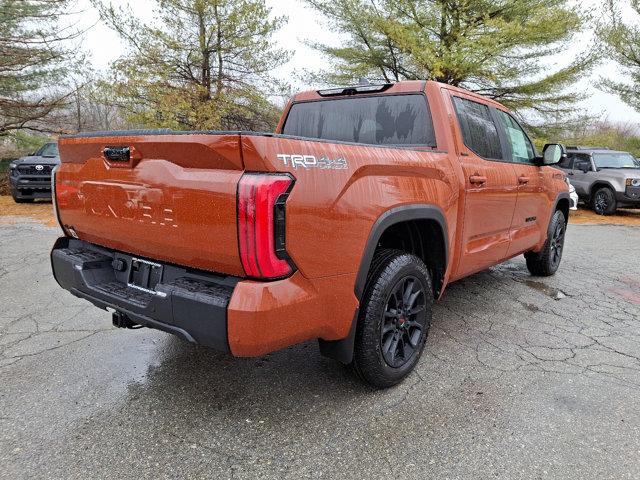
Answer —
144 275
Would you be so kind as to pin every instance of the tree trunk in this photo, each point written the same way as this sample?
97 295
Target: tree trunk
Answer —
204 50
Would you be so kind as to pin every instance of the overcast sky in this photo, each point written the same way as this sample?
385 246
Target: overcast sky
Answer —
104 46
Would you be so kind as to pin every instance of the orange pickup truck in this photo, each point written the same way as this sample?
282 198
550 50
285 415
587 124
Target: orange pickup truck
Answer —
343 226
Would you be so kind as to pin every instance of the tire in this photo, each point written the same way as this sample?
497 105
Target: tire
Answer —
604 202
546 262
389 342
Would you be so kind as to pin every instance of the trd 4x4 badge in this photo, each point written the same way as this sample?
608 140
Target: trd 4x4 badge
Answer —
311 161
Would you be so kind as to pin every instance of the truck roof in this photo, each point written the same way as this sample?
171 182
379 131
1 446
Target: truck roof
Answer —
405 86
590 150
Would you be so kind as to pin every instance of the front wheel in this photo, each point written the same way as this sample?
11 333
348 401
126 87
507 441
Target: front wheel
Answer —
546 262
394 318
604 201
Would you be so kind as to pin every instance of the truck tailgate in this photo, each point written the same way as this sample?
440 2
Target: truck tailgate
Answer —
173 199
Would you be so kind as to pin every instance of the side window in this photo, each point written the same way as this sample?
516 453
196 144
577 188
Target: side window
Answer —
567 163
478 130
582 162
522 149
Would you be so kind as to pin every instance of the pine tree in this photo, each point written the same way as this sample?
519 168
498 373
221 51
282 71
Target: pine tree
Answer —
206 64
622 44
500 48
35 61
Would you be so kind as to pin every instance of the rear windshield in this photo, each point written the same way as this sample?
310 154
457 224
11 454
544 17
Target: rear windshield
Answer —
378 120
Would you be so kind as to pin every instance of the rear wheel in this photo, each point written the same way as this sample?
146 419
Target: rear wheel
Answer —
546 262
604 201
394 318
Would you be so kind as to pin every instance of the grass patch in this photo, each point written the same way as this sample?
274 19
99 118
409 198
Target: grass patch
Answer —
4 165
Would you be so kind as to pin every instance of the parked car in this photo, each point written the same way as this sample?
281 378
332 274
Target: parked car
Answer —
30 176
344 226
573 197
604 179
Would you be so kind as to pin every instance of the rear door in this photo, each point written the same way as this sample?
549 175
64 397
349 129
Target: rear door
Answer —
490 187
532 204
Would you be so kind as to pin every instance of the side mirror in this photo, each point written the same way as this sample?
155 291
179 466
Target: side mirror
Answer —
585 168
553 153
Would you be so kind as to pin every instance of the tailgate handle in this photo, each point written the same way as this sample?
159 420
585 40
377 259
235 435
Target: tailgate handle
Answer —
117 154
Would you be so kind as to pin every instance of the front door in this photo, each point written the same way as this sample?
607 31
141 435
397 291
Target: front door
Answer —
530 215
579 179
490 186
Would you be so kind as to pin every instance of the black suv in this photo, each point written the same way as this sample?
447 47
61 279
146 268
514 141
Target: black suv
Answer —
30 176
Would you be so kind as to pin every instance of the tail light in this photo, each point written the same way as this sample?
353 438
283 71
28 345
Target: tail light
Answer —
61 195
261 225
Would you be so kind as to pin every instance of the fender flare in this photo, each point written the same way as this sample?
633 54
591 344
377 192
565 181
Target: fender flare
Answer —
598 184
342 350
559 197
390 218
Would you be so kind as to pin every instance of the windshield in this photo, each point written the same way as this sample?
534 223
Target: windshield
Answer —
615 160
48 150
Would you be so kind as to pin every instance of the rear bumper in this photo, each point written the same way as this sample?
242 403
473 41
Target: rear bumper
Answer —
191 305
245 318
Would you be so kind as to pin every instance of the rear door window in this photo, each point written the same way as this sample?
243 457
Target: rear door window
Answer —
377 120
478 130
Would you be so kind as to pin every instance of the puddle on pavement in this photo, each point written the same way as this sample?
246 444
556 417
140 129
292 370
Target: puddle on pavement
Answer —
552 292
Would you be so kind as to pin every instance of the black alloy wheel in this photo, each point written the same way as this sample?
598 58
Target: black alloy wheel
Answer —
404 322
394 318
557 244
604 202
546 262
600 203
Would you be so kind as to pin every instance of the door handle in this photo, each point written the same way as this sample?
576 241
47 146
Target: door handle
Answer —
478 179
523 180
570 173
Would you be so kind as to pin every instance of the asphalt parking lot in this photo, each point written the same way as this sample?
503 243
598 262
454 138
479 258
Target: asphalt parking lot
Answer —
522 378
